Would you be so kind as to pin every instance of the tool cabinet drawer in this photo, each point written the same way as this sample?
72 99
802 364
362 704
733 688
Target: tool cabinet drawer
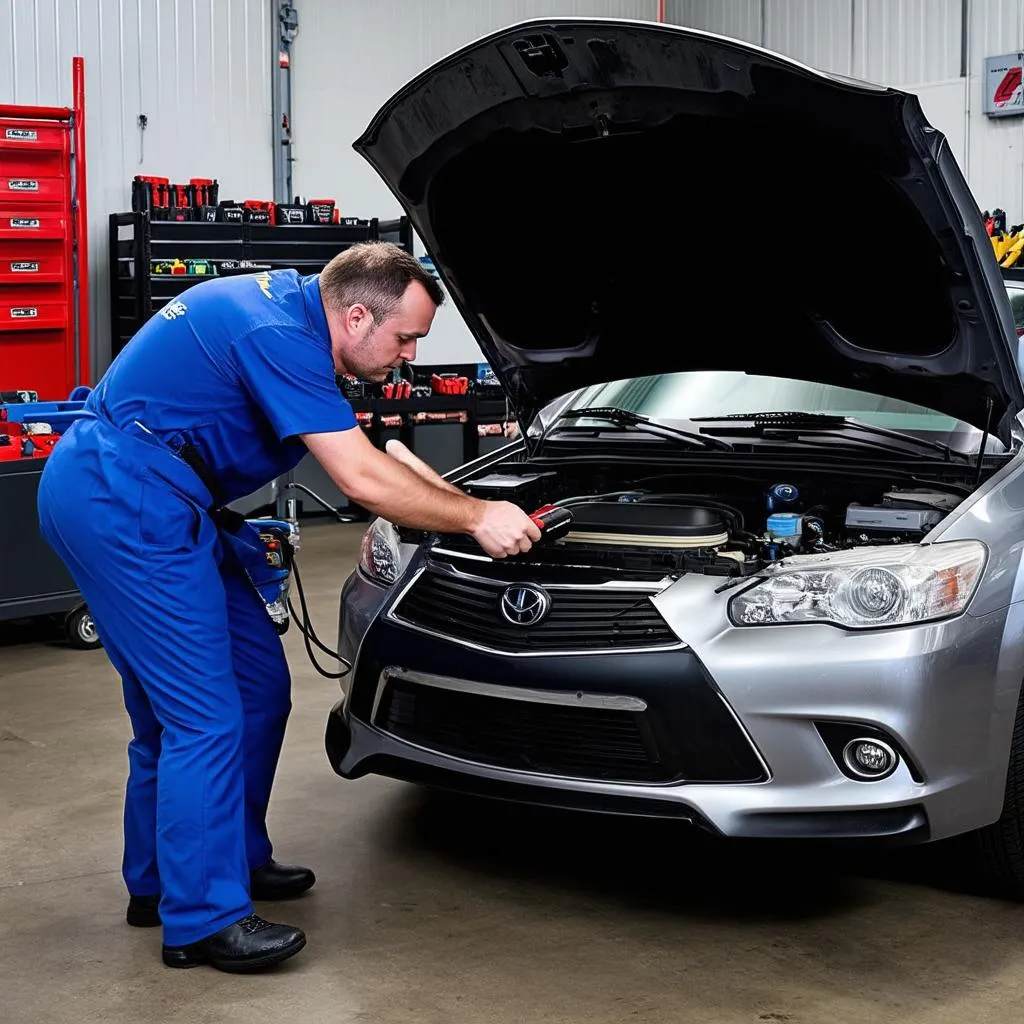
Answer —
32 262
31 137
25 163
26 223
36 360
26 313
24 188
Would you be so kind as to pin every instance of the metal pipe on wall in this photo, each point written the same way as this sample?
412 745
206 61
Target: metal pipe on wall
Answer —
285 26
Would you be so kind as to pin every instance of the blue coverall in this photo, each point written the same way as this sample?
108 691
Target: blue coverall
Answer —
238 366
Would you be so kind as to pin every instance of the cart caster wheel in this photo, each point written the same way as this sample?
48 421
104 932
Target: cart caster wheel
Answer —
80 629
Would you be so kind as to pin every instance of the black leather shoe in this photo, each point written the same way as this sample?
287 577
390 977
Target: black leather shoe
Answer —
276 881
143 911
247 945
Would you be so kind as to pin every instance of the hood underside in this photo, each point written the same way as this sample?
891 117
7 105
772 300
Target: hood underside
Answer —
608 199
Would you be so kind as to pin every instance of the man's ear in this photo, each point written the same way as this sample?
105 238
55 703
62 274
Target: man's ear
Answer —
357 317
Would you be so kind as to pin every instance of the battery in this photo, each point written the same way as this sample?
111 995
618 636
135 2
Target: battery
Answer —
884 519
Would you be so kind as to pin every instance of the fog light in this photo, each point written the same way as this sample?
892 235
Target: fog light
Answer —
869 759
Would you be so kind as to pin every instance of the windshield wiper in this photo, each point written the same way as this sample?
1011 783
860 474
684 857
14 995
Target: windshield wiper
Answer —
623 418
804 424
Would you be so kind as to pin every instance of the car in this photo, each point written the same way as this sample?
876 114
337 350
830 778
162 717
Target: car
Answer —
1015 291
790 603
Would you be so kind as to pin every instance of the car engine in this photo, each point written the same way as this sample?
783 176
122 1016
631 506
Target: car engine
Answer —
732 530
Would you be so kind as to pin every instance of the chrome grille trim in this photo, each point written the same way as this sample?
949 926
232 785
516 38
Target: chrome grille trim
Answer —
651 588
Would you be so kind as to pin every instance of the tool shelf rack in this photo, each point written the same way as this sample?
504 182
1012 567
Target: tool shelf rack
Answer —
135 239
379 434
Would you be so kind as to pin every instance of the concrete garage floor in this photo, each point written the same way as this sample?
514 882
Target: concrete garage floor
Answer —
442 910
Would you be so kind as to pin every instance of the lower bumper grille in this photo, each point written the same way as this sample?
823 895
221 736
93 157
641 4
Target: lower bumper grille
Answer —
579 742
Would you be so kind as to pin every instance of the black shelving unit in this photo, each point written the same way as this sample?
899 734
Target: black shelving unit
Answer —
135 240
407 408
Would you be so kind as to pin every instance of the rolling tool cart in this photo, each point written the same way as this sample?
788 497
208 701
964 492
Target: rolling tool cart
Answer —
33 580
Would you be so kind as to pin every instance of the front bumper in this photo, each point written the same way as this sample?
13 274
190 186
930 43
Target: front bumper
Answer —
936 692
355 750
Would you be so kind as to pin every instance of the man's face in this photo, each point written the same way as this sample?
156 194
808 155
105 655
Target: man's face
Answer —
370 350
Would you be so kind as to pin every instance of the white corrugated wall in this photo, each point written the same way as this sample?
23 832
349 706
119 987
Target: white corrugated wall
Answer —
908 42
905 41
198 69
740 19
996 145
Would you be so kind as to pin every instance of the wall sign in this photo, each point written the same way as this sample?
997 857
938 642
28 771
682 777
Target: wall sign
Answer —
1003 85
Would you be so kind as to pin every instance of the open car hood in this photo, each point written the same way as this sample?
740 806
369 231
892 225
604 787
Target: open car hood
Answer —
607 199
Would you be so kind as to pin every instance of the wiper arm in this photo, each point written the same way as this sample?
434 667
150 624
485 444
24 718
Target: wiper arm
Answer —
805 424
623 418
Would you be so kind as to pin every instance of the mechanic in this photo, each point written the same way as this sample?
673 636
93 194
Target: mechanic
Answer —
223 390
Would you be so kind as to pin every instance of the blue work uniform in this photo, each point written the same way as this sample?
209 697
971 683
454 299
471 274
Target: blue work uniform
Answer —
238 367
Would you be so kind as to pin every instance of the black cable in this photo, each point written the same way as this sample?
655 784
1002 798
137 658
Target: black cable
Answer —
304 624
305 627
320 501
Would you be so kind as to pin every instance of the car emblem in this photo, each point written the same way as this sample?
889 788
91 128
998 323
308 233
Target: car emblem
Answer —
525 606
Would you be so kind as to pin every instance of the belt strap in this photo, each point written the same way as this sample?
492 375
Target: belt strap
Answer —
225 518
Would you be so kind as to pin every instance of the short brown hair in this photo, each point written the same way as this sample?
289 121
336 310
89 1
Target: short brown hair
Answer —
375 275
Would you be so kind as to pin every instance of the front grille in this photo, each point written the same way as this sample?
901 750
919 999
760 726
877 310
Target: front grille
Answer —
582 619
580 742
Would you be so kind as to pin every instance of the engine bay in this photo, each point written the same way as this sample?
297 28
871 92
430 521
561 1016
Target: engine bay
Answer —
728 523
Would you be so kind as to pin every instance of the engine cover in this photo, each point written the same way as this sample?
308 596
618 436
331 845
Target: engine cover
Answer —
643 524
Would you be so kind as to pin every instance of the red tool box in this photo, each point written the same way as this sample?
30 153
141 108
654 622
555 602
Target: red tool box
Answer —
449 384
44 284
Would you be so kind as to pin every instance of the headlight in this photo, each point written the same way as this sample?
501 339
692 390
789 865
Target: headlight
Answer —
379 554
866 588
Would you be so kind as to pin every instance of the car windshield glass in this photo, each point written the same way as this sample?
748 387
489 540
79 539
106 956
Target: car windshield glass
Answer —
695 395
1016 294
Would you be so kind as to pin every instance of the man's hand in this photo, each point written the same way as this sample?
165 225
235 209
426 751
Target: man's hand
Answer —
505 529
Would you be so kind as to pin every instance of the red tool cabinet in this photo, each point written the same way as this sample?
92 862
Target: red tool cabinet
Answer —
44 287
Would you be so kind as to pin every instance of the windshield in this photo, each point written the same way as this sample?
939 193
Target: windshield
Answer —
1016 294
694 395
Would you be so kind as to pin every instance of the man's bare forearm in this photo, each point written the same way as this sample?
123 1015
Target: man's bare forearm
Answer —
406 499
386 486
401 453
